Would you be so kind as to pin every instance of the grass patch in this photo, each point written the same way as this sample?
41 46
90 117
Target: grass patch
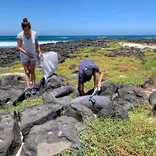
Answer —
89 52
106 136
149 55
18 68
121 70
26 103
114 45
17 65
149 64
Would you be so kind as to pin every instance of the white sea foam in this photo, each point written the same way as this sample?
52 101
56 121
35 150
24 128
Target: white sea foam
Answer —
102 37
14 44
8 44
63 37
45 42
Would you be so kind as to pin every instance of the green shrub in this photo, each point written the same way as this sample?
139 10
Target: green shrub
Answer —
106 136
149 65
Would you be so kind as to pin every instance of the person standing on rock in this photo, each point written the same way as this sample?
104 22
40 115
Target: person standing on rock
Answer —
27 44
87 68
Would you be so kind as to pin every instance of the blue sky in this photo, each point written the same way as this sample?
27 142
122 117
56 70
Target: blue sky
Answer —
79 17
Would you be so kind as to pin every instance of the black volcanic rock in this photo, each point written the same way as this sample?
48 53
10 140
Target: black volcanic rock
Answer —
8 56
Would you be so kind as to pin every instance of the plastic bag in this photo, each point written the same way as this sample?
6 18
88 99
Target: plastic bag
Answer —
49 63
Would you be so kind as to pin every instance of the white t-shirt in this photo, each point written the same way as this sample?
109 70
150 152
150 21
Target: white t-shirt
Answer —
28 44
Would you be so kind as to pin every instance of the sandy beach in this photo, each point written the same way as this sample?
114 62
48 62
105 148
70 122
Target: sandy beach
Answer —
141 46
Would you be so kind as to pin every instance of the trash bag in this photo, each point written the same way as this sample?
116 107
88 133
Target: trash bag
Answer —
49 63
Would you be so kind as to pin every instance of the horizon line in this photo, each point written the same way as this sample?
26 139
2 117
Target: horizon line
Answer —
88 35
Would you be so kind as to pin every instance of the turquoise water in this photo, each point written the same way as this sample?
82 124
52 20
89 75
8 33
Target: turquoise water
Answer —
11 41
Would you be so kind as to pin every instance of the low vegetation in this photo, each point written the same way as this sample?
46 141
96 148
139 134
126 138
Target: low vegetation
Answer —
106 136
26 103
114 45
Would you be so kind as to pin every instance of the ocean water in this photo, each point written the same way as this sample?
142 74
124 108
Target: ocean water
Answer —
11 41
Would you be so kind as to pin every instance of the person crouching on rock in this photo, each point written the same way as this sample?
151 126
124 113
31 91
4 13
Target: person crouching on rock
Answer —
87 68
27 44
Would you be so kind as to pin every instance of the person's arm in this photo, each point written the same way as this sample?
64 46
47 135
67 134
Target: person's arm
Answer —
19 47
101 77
38 48
96 82
81 90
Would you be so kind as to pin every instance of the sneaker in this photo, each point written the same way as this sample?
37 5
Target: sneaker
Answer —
33 90
28 92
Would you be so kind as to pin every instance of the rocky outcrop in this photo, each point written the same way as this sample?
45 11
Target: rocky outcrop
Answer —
61 130
127 52
12 89
9 56
37 115
10 138
152 98
54 123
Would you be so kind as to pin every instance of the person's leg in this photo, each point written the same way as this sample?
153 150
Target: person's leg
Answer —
32 72
26 66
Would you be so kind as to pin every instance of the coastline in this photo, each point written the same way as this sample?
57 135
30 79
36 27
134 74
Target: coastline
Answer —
64 49
11 41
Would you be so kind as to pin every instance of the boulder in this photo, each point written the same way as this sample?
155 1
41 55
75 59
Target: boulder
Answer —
37 115
10 138
62 131
152 98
